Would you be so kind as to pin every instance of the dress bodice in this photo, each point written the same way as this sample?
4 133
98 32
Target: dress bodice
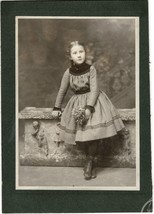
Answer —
83 82
80 82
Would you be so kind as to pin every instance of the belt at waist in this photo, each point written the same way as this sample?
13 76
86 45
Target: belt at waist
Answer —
82 91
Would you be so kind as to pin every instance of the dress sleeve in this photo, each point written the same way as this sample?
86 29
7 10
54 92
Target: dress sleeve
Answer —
63 89
94 91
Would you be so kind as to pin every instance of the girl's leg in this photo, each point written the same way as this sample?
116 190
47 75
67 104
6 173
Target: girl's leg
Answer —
93 151
83 147
92 148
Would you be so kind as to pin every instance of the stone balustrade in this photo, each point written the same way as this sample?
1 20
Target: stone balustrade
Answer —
42 146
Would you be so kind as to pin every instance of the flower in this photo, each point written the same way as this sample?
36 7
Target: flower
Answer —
79 115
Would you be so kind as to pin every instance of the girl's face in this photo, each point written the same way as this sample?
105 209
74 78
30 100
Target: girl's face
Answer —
78 54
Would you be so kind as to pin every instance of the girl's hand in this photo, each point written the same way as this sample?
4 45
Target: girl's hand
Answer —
87 113
56 113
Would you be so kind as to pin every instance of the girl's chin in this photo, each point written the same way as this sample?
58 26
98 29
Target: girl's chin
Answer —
79 63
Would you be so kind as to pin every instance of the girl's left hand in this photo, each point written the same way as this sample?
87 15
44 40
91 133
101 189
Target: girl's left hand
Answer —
87 113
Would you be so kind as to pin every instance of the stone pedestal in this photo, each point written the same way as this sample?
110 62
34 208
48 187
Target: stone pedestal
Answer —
43 148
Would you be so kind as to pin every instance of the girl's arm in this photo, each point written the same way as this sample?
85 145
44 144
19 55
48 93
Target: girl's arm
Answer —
94 91
62 91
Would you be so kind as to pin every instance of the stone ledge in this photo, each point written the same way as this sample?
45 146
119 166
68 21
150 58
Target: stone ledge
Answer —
46 113
75 161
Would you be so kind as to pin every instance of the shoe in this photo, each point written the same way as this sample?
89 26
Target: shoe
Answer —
94 164
88 170
93 174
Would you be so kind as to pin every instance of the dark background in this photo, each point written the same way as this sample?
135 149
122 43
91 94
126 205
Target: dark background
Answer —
110 46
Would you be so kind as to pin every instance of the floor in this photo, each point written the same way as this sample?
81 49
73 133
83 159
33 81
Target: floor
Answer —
72 177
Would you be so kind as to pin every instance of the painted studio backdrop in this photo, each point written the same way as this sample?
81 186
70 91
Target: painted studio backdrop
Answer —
110 45
43 58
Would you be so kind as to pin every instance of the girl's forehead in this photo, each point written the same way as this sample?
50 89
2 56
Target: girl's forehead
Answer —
77 47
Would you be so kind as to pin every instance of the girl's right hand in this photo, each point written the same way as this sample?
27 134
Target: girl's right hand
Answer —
56 113
87 113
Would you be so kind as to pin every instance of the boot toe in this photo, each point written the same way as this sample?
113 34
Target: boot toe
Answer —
87 177
93 175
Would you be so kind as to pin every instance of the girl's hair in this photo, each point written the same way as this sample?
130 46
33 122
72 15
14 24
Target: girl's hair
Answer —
73 44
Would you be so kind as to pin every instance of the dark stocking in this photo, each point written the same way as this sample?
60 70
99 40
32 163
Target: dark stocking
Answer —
91 148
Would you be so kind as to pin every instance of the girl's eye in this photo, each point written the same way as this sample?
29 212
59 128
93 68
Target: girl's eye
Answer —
74 52
81 51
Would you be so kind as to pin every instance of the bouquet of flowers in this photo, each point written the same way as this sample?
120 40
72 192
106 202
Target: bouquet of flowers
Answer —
79 115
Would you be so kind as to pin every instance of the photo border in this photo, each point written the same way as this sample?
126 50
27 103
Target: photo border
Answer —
63 201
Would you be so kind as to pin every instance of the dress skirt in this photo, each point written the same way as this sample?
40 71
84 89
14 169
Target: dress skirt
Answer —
104 122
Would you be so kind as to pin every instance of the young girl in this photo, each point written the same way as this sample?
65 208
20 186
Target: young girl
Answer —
101 118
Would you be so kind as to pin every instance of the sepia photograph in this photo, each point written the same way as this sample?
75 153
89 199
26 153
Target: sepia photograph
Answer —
77 103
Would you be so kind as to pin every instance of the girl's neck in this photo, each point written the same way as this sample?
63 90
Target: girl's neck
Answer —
73 64
79 68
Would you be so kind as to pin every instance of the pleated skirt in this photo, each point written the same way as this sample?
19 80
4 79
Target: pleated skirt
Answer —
104 122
